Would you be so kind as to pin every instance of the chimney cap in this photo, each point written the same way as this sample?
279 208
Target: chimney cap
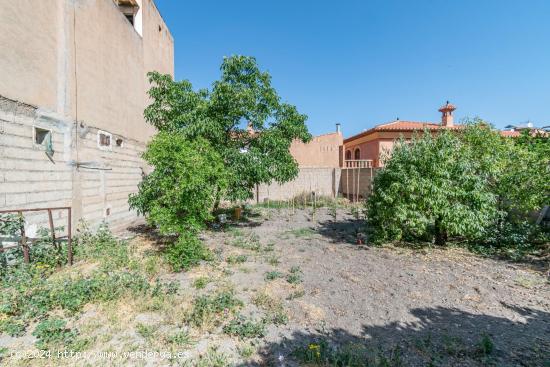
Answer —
447 107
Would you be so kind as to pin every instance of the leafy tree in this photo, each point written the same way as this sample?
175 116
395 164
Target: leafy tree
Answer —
180 192
241 116
430 187
517 170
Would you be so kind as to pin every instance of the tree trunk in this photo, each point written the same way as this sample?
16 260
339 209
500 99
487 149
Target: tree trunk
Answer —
440 233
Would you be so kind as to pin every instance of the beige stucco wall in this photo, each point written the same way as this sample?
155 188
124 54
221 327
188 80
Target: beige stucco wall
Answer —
321 151
28 51
82 58
50 83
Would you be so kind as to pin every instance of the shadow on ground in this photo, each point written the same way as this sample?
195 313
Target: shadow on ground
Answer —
342 230
439 337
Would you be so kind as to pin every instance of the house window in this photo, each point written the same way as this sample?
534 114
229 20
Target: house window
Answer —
357 153
104 140
348 155
130 18
42 136
119 142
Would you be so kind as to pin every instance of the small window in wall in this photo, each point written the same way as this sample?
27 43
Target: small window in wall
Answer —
104 140
119 142
130 18
348 155
357 154
42 136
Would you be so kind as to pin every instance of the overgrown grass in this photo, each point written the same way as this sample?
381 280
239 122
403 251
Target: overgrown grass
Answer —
212 309
39 293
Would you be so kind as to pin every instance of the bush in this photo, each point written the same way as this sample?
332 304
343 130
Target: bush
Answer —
53 331
188 251
208 308
244 328
473 184
179 194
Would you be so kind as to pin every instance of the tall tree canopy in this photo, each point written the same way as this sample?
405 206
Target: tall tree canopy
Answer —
241 116
472 183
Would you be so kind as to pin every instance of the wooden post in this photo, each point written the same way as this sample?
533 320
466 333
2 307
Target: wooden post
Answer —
69 237
347 182
358 182
26 256
52 228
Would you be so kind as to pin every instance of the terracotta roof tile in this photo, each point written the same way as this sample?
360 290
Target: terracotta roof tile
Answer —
400 125
510 133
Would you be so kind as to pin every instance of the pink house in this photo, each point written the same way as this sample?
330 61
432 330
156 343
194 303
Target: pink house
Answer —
371 145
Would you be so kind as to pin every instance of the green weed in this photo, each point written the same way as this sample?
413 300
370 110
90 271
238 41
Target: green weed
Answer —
272 275
146 331
244 328
201 282
209 308
236 259
181 339
53 332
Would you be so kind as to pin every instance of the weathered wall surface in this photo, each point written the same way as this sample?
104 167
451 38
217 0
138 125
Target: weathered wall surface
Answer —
356 182
28 44
321 151
69 55
76 60
322 181
98 190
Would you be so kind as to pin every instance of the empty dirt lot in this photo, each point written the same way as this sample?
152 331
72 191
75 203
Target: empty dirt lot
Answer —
292 288
410 307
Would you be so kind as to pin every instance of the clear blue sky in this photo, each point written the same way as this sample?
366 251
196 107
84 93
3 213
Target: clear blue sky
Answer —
362 63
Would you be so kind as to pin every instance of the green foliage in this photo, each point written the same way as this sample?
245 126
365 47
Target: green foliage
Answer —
272 275
486 345
244 328
182 189
243 95
209 308
145 331
430 187
53 332
181 339
31 292
236 259
201 282
473 184
295 275
188 251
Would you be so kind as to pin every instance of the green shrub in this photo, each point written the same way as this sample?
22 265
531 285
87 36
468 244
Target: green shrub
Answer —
236 259
53 331
201 282
244 328
430 187
188 251
210 307
272 275
13 327
181 338
472 184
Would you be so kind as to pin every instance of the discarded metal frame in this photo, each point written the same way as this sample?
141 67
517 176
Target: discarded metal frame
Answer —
23 242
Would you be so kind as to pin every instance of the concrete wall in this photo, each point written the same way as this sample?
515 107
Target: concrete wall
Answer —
64 61
82 57
356 182
98 191
322 181
321 151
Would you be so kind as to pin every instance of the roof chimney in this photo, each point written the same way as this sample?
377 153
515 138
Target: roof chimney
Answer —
447 118
337 127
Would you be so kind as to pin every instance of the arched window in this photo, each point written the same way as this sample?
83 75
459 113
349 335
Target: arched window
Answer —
348 155
357 154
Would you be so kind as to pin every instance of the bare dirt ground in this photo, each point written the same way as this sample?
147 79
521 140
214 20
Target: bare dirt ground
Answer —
439 307
324 301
